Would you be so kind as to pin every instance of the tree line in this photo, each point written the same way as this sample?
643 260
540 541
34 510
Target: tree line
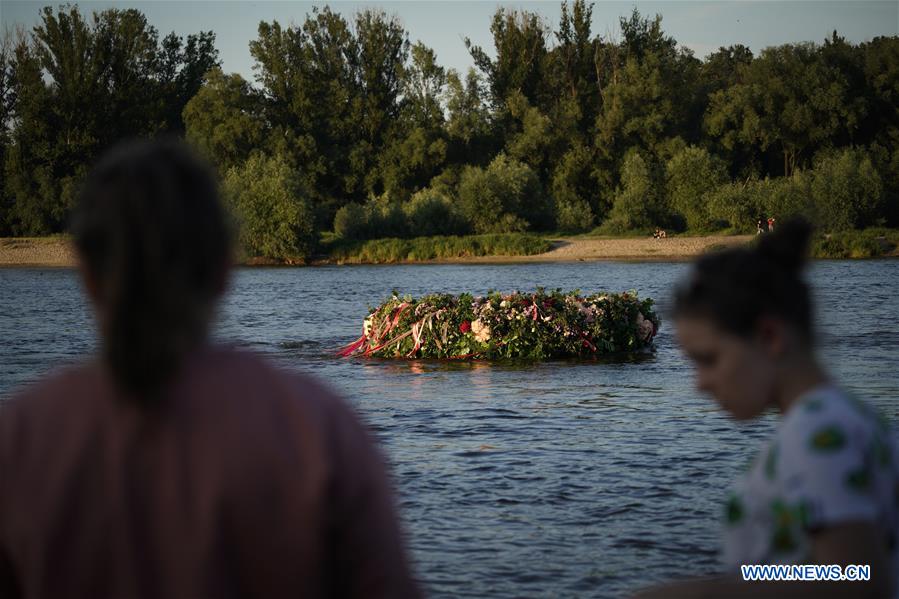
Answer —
350 127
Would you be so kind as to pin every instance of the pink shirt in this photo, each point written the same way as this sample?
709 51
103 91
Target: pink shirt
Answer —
246 481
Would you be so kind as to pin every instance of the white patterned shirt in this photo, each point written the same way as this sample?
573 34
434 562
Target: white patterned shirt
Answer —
831 461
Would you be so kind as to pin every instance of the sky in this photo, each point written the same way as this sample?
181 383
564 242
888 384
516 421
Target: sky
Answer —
443 25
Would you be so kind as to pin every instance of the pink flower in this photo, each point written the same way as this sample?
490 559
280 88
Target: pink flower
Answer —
645 328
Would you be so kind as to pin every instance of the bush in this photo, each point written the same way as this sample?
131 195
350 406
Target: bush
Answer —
573 215
572 188
351 222
638 205
785 197
447 182
740 205
737 204
385 218
692 174
868 243
847 190
381 251
427 213
269 203
505 196
430 212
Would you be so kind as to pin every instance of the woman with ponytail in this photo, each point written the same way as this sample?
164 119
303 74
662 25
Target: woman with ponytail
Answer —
169 466
823 489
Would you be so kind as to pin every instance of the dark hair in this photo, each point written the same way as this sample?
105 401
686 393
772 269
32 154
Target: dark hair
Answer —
735 287
152 234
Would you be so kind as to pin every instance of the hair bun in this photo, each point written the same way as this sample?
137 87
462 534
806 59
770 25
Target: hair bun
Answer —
787 246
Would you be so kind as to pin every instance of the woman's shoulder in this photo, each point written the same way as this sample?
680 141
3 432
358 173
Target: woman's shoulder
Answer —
249 391
231 375
64 385
248 368
830 413
835 447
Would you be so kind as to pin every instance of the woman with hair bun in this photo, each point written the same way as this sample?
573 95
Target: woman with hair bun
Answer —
169 466
823 489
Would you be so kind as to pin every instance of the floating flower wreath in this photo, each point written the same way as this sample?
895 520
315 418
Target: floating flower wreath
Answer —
535 326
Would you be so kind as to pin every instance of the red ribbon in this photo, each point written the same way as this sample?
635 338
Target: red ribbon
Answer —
352 347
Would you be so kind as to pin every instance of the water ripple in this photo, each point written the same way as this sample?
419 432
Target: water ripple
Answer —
565 478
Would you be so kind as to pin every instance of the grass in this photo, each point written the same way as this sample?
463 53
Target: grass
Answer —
54 238
382 251
866 243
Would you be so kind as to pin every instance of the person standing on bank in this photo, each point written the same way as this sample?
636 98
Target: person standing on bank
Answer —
823 489
169 466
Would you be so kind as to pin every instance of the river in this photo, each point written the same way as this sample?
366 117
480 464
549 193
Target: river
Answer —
557 479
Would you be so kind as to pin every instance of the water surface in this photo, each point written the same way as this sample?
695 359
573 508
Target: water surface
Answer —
557 479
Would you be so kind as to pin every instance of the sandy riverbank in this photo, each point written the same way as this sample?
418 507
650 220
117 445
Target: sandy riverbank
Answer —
36 251
636 248
58 251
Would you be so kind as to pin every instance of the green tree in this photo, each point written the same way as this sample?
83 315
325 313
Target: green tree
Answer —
7 106
351 222
416 148
573 194
573 61
79 86
790 103
737 204
847 190
269 203
410 162
469 127
431 212
519 39
724 67
422 87
504 197
226 119
691 175
880 128
639 203
651 103
786 197
308 79
719 71
182 66
333 98
533 139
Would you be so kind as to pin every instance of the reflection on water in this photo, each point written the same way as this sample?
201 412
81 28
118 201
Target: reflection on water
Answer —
540 480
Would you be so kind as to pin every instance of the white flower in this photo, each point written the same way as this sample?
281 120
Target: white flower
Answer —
504 304
481 331
366 326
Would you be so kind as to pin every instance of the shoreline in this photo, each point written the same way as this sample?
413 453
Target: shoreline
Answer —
19 252
58 252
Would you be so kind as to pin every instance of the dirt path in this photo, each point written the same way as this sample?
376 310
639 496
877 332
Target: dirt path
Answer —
58 251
